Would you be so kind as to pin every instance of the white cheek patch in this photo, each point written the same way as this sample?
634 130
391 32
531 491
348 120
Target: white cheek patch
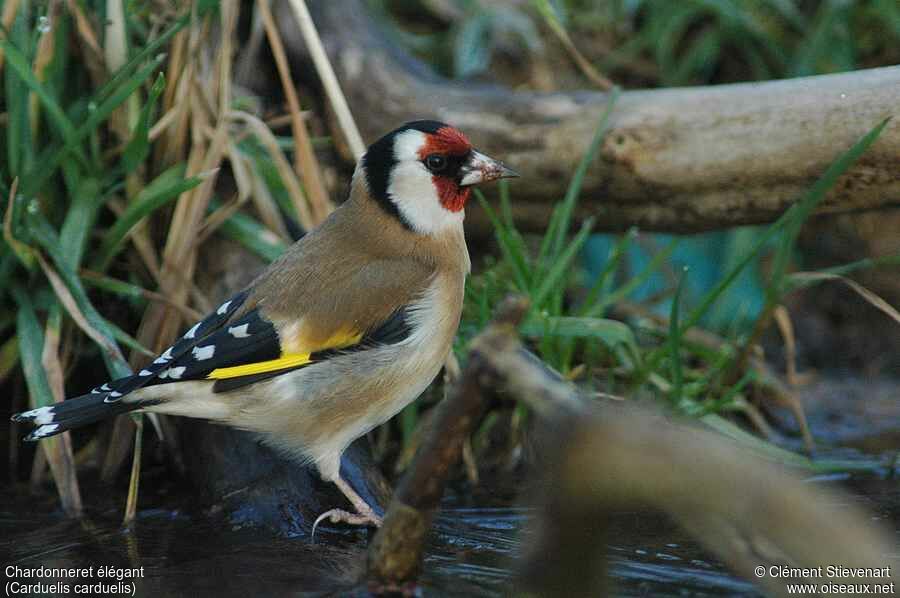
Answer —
412 190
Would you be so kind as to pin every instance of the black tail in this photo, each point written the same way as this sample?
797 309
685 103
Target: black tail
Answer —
71 413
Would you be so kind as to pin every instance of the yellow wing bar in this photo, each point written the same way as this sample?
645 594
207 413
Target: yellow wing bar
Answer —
260 367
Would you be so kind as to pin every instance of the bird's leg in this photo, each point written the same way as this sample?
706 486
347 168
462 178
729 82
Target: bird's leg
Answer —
364 514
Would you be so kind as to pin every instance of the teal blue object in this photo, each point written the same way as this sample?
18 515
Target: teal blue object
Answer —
708 256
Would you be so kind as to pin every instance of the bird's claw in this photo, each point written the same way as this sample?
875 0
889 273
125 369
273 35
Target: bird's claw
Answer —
342 516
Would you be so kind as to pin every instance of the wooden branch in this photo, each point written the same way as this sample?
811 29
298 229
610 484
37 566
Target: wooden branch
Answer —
744 510
395 554
613 457
681 160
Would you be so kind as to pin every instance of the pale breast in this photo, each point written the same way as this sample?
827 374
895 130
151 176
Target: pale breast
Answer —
321 409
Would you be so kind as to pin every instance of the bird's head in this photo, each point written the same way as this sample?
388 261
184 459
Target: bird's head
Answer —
423 172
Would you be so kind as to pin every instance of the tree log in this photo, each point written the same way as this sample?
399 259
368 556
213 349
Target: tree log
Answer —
678 160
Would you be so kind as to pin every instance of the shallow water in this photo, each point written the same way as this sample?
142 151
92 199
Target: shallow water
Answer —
472 551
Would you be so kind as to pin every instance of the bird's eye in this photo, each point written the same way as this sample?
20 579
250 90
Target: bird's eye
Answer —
435 162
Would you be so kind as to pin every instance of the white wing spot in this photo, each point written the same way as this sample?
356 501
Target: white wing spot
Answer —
239 331
166 356
145 373
176 373
204 353
105 387
223 308
44 430
193 331
41 415
113 397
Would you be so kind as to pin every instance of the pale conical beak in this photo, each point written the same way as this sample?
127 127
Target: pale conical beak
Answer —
482 169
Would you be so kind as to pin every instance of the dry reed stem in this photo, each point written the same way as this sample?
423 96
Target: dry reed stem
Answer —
58 450
68 301
10 10
115 54
287 174
179 72
134 480
756 419
187 312
870 297
281 120
162 124
587 69
251 187
786 329
90 47
42 58
305 162
329 80
218 218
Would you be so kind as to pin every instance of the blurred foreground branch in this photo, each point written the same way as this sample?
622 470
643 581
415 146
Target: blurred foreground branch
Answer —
608 458
395 554
677 160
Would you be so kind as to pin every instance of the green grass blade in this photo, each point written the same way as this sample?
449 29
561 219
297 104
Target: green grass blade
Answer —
149 50
762 448
79 220
543 259
139 145
611 333
560 268
47 238
163 189
252 235
128 340
801 211
793 216
52 157
603 280
558 234
513 253
19 144
675 343
31 346
113 285
505 204
729 396
9 357
800 280
658 261
19 64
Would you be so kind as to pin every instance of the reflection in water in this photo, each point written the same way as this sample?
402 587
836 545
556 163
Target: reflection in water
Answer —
471 553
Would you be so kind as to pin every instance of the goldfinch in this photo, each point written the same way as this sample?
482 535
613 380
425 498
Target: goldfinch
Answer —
338 334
